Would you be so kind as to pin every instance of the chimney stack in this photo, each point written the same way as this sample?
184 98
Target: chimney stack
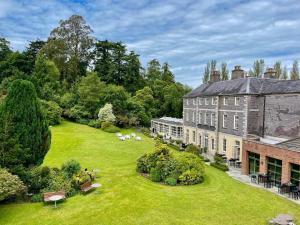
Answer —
215 76
237 73
270 73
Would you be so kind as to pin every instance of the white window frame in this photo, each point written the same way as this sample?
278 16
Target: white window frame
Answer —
194 116
206 101
237 101
194 136
224 121
214 101
200 101
187 101
206 143
200 118
212 144
205 118
194 101
235 122
225 101
212 115
187 116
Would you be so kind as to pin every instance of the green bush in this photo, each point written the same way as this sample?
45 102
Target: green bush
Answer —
141 166
94 123
155 175
171 181
218 158
10 185
192 149
52 112
112 129
174 147
37 198
70 168
186 167
178 142
105 125
190 177
220 166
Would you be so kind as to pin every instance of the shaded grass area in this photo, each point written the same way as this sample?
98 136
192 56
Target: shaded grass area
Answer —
128 198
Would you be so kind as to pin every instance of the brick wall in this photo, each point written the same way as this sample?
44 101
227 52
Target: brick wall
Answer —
265 150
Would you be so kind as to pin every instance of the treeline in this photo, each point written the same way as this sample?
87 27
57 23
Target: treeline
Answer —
257 70
75 74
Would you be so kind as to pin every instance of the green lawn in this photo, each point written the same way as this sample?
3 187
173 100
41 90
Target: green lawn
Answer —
127 198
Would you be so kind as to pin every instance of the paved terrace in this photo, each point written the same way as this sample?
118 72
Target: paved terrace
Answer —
236 174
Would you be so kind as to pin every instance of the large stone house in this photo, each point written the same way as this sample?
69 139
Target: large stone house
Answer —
219 115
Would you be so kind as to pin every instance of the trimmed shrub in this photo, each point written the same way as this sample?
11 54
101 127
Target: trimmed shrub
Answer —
171 181
58 182
220 166
190 177
70 168
155 175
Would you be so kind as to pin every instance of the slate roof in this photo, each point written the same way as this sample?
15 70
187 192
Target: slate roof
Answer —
169 120
246 86
293 144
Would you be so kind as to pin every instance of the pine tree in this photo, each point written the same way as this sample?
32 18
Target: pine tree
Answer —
295 71
167 75
28 125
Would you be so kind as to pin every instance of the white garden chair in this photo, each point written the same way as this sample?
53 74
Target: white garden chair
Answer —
127 136
122 138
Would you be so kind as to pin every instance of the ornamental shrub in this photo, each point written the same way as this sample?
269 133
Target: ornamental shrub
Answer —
155 175
106 114
94 123
52 112
105 125
190 177
192 149
70 168
220 166
141 166
171 181
21 109
10 185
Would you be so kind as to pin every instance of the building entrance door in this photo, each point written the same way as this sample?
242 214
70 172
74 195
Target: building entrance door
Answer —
253 159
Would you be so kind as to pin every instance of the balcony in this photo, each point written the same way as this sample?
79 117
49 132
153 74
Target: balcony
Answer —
206 127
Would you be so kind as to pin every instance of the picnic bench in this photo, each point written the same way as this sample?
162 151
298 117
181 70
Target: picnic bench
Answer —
86 186
48 195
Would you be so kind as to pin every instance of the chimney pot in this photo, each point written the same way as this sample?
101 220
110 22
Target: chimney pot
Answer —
237 73
270 73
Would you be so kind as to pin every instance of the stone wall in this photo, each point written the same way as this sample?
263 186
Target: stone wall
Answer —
255 115
282 115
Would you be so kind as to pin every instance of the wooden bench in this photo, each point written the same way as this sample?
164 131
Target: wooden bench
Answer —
47 195
86 186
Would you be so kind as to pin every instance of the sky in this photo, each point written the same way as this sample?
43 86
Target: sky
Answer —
184 33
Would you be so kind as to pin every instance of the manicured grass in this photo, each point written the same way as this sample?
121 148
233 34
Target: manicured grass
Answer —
128 198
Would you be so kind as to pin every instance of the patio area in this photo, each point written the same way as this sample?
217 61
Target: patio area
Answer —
235 173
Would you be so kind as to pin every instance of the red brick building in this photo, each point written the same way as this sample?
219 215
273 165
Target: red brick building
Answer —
281 161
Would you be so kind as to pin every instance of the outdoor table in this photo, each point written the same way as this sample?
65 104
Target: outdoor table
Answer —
283 219
55 198
238 164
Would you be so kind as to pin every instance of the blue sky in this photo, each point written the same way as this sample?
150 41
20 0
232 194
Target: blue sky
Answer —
184 33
